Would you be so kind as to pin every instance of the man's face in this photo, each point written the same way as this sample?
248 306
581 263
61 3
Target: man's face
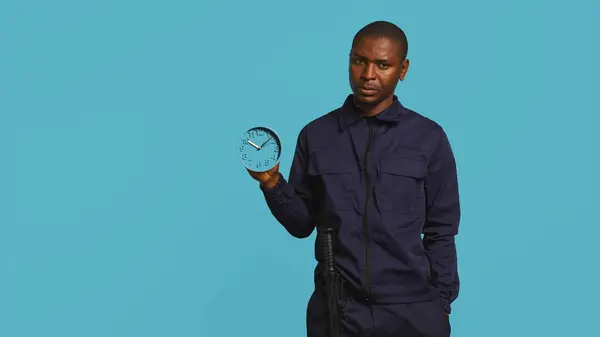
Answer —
376 66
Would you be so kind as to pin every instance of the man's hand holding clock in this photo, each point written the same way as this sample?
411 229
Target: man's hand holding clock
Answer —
267 179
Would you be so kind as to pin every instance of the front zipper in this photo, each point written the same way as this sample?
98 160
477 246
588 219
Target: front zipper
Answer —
365 218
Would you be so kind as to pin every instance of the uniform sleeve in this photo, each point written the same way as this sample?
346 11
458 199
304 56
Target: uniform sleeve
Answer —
291 201
443 216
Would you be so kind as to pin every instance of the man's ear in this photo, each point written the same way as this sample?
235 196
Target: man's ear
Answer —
404 69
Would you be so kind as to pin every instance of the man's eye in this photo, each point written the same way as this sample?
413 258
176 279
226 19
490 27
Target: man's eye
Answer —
383 66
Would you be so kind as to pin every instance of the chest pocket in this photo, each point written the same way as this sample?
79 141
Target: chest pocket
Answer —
334 174
400 183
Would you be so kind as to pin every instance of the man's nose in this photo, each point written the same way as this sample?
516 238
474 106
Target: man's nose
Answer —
368 72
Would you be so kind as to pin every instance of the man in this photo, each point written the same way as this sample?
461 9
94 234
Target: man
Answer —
381 175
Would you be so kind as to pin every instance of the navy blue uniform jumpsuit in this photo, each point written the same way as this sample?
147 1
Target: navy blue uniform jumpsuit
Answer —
388 186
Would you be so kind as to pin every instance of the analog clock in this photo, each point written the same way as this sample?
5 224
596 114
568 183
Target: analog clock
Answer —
260 149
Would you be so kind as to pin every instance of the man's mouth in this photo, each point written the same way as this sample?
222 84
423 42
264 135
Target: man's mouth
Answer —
367 90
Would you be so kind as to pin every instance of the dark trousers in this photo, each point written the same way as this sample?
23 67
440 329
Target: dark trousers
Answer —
360 319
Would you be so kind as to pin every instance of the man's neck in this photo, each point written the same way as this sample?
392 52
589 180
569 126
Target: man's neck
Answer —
373 109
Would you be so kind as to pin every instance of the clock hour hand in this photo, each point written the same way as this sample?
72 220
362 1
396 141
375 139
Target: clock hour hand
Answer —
256 146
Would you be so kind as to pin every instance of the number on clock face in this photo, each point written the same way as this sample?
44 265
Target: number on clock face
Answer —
260 149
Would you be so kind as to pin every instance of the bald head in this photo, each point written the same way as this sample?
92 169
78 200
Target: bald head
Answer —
384 29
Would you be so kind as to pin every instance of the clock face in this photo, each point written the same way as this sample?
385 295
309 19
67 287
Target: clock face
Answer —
260 149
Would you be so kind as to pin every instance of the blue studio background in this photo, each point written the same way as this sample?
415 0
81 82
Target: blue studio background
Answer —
125 212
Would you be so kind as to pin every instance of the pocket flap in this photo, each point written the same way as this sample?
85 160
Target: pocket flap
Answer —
406 167
329 162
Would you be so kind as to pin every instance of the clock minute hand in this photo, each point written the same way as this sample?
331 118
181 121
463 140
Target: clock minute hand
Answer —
265 143
256 146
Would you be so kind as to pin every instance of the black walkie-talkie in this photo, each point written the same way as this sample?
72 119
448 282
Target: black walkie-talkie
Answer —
331 283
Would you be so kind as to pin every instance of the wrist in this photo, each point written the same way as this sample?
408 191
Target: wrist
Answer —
269 184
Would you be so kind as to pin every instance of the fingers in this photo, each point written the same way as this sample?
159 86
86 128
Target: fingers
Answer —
259 176
274 170
263 177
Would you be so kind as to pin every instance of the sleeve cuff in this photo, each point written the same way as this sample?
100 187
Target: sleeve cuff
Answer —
276 192
446 305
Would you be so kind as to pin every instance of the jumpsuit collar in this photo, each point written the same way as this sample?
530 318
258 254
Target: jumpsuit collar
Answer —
349 114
